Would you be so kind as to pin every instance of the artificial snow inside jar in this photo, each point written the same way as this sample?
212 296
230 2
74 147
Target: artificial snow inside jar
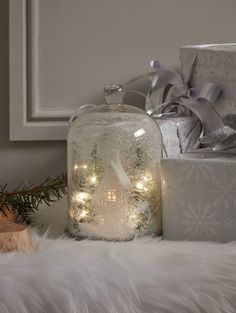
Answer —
114 153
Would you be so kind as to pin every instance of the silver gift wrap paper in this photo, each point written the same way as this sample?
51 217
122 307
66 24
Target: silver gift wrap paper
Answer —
179 134
216 64
199 197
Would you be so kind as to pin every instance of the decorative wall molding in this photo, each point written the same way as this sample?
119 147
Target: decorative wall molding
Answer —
35 111
63 52
28 120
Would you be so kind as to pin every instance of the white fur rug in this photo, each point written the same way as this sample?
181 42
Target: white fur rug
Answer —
142 276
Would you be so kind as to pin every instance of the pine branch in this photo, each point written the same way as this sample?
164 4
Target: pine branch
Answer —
25 199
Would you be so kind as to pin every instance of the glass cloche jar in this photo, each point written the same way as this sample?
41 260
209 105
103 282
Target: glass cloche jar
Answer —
114 153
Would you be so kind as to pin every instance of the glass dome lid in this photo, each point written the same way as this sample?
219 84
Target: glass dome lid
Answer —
114 95
114 151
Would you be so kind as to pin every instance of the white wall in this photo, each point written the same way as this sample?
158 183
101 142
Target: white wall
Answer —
179 22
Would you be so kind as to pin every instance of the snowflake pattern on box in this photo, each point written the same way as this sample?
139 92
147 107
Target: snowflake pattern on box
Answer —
200 221
193 222
199 198
229 224
198 172
223 188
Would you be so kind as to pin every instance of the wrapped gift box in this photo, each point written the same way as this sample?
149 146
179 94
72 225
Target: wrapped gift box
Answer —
179 134
199 197
216 64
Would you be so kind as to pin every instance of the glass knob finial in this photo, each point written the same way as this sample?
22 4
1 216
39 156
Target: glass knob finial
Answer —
114 93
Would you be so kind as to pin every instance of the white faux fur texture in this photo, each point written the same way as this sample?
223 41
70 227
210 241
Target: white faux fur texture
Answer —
142 276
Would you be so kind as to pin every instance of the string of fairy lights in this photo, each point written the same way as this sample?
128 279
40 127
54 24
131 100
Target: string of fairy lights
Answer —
88 177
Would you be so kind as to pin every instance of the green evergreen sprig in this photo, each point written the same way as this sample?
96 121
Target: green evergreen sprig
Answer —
26 198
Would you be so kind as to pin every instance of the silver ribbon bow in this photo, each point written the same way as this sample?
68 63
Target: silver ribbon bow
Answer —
177 96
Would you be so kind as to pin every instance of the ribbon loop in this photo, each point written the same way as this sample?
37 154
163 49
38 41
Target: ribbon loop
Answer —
207 91
176 96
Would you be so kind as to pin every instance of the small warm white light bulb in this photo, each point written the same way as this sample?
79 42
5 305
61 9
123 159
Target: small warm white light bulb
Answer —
84 166
81 197
83 213
93 179
133 216
140 185
75 167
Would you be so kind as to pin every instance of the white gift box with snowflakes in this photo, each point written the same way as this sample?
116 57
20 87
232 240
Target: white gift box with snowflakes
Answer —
199 197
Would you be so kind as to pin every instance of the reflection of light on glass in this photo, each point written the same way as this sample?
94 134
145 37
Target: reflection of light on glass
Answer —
139 132
111 195
93 179
81 197
133 218
83 166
